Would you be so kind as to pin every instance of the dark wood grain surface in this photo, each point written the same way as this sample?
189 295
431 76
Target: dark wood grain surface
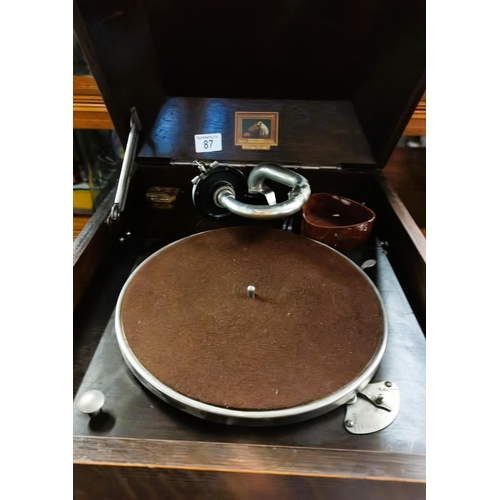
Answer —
262 459
371 54
90 112
406 175
310 132
393 80
90 248
406 247
132 483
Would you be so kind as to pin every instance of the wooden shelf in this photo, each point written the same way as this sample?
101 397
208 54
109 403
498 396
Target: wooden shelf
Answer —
79 222
89 110
416 127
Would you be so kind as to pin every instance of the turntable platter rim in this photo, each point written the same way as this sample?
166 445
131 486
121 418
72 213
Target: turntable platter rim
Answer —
248 417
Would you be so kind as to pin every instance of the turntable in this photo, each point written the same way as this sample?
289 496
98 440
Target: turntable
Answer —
220 353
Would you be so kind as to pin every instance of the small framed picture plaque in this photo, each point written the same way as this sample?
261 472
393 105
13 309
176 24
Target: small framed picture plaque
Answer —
256 130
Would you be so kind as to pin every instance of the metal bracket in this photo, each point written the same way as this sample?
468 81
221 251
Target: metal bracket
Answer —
373 409
126 171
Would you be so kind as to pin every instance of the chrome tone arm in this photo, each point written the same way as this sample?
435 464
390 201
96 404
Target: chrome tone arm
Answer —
297 197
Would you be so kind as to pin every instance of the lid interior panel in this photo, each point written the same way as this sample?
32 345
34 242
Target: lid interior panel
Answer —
368 53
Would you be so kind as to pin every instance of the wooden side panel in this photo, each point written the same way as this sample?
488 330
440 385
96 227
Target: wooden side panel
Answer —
406 174
406 248
110 482
258 459
90 248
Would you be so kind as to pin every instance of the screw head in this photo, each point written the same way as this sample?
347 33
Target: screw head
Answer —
349 423
388 384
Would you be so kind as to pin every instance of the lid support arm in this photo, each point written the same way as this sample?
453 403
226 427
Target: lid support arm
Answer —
126 171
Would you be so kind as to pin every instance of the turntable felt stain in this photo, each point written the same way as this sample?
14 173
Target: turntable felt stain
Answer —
315 332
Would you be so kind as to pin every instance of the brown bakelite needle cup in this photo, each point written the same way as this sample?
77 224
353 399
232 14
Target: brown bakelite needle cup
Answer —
339 222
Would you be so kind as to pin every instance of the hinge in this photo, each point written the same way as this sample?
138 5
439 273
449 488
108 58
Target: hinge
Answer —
125 174
182 163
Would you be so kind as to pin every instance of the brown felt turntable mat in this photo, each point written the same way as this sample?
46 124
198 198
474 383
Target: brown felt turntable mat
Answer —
313 327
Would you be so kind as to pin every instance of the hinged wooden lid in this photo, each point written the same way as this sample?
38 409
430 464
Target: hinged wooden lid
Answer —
343 76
